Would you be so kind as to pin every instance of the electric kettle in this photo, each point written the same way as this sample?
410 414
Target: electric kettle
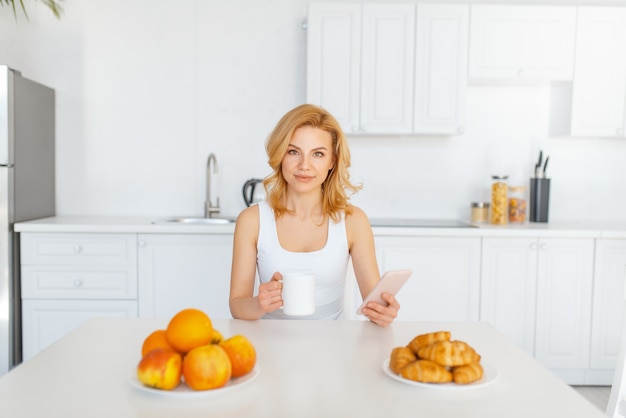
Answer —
253 191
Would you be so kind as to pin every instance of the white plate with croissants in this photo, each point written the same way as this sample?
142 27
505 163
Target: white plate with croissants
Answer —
434 360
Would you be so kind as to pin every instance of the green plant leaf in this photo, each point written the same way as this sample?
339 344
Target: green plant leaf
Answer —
53 5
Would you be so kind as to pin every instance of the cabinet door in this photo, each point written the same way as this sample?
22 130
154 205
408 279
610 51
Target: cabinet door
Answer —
508 288
333 61
387 64
446 276
606 325
522 42
45 321
178 271
599 88
440 68
564 285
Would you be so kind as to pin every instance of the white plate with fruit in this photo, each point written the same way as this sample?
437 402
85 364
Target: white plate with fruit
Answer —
184 391
192 359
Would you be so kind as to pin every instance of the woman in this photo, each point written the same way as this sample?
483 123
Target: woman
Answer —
306 224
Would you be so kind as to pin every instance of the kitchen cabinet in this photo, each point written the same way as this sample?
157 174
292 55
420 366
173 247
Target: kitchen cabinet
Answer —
334 61
440 68
564 285
509 286
606 320
599 86
445 285
521 43
45 321
178 271
538 292
69 278
360 61
378 72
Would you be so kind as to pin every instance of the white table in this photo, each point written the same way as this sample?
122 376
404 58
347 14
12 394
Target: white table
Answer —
307 369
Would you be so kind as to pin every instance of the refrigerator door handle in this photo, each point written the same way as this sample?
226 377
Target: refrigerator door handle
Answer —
9 165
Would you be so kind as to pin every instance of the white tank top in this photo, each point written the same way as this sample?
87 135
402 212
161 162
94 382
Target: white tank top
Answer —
329 264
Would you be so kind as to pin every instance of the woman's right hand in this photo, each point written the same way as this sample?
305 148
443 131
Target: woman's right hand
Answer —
271 293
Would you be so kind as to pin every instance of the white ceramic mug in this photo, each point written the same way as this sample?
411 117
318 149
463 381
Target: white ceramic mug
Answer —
298 293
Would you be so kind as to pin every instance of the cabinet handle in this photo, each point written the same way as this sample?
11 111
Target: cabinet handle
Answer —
543 247
364 128
142 243
533 246
520 72
78 283
355 128
78 249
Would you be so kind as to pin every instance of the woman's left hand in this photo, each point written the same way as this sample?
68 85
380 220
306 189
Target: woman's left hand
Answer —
382 315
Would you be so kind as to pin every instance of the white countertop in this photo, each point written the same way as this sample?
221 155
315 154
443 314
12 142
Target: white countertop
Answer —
306 369
145 225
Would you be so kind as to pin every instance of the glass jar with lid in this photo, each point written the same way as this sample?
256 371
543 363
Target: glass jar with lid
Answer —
499 200
517 204
480 212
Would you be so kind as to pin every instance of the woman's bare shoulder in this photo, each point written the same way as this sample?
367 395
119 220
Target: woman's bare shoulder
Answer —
248 219
356 217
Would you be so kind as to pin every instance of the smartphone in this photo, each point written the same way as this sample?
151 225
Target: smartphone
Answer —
391 282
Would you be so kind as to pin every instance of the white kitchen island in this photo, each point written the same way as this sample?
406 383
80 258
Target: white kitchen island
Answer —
314 369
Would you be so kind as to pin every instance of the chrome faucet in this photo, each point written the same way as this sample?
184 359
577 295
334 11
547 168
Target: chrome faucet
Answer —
209 208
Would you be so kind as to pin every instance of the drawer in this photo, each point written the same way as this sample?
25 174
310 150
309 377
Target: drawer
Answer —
67 282
78 249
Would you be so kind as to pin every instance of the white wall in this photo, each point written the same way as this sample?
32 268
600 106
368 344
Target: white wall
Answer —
147 88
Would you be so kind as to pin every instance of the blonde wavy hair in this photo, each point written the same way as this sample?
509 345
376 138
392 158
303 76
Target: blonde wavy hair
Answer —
334 189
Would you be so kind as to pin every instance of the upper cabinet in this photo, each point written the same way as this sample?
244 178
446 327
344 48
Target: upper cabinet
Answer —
440 69
387 67
534 43
599 87
362 66
334 61
404 68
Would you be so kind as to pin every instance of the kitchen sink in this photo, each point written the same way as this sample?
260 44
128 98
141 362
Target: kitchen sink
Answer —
194 221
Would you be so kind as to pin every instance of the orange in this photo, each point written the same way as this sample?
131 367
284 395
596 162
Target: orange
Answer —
241 353
188 329
155 340
207 367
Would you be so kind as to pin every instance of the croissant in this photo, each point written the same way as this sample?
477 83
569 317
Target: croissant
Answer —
467 374
400 357
427 372
425 340
449 353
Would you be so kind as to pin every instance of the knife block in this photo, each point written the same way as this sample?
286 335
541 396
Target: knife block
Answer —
539 199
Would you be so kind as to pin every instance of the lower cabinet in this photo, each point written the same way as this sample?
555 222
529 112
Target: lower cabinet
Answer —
560 299
178 271
45 321
608 305
68 278
445 285
538 291
509 288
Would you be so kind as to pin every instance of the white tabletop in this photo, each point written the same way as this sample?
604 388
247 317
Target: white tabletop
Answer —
306 369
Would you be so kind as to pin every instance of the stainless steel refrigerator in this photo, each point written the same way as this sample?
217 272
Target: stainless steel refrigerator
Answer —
27 189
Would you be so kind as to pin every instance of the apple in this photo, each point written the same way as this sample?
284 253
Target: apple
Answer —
241 352
206 367
160 368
